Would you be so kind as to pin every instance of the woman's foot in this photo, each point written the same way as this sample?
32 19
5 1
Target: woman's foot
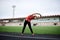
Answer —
33 34
22 34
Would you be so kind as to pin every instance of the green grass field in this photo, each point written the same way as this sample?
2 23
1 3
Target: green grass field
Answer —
36 29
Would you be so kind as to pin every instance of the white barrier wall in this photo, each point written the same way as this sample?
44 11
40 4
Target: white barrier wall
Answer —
0 24
37 24
14 24
47 24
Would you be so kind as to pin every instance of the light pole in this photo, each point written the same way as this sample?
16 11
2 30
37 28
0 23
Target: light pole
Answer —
13 10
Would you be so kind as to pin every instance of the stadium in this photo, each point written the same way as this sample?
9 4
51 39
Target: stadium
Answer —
47 26
53 20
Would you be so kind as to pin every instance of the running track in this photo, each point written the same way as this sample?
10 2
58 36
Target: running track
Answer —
18 36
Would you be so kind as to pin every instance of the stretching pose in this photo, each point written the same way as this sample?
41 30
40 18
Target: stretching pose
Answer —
28 21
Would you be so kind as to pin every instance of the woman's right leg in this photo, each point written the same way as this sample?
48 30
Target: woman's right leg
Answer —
25 23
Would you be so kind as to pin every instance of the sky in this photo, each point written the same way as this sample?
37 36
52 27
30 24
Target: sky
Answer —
24 8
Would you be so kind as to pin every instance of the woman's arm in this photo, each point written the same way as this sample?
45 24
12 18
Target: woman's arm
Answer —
36 13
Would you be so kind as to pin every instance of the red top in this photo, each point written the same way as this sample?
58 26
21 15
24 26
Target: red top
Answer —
29 18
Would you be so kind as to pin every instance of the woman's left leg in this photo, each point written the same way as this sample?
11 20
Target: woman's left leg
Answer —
29 24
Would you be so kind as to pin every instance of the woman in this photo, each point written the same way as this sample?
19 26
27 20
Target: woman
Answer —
28 21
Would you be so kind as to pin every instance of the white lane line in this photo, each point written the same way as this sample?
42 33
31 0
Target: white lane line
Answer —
26 36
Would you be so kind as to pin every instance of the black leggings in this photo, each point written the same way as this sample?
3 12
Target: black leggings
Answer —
29 24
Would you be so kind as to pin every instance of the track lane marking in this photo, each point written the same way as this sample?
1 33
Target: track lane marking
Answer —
26 36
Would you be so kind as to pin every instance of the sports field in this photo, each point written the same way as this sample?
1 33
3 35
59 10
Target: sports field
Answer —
36 29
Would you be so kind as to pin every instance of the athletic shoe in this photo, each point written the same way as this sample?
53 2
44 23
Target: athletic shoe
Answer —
33 34
22 34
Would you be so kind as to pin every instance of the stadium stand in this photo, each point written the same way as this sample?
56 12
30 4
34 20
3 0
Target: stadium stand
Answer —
53 20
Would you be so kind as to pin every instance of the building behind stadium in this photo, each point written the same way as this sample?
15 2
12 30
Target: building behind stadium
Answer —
53 20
